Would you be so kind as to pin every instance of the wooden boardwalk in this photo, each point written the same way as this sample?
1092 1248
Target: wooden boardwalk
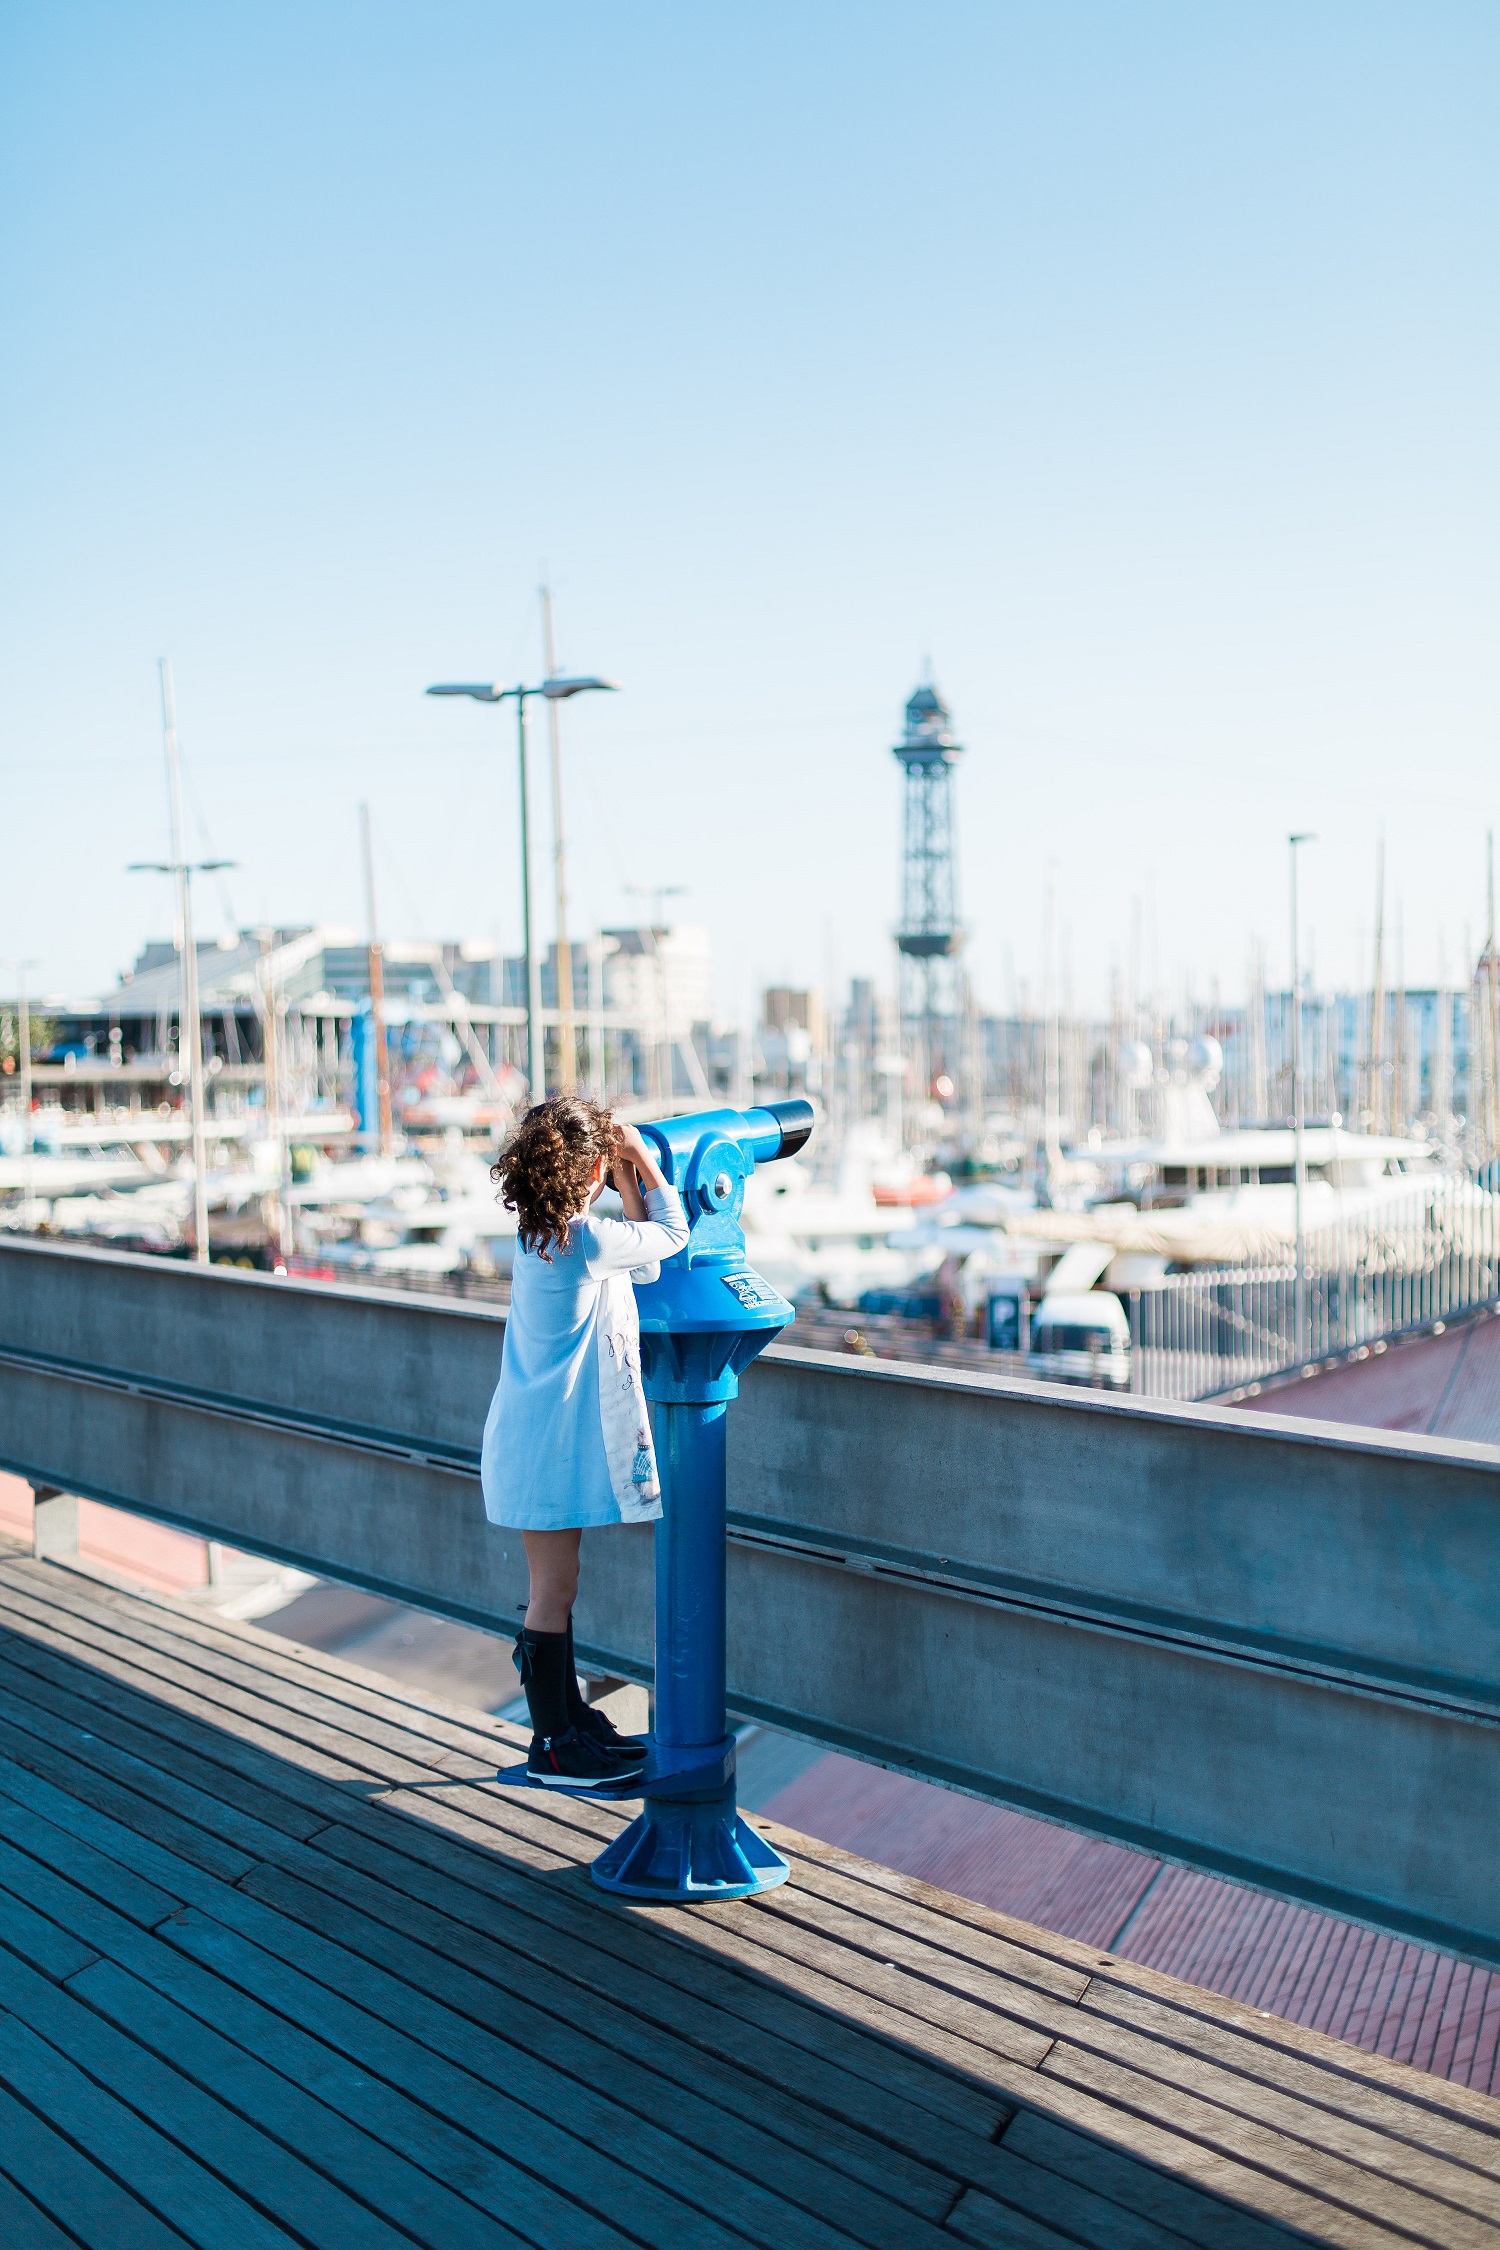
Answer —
277 1967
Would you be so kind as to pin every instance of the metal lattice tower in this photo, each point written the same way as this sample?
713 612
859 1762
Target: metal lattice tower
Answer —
930 934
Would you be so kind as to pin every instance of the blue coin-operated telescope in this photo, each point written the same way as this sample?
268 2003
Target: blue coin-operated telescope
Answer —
702 1321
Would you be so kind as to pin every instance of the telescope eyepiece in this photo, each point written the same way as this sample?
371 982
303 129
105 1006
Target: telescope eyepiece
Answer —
796 1119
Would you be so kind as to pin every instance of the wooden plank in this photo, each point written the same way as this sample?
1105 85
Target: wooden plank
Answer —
522 2096
572 1833
1295 2202
666 2098
1333 2080
1218 2167
1414 2091
815 2030
120 1695
968 2156
23 1752
650 2073
996 2226
1186 2211
265 1709
23 2225
240 1674
119 1782
445 1723
42 1946
968 1953
1354 2200
812 2102
252 2164
761 2153
73 1693
90 1643
732 2086
365 2177
94 2208
423 2140
458 2083
167 2180
144 1902
979 2165
535 2058
1218 2078
953 2072
1153 2140
282 1891
1223 2081
953 1908
984 2004
1051 2200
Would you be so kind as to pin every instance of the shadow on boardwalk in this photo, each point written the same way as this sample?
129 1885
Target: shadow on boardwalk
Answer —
276 1966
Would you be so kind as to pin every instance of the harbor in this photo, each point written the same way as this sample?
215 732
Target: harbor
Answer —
749 1129
1176 1202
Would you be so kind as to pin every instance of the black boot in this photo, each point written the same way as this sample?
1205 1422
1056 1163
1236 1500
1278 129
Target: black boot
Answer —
598 1725
561 1756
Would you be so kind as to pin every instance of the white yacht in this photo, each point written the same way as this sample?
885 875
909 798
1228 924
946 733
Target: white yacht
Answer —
837 1241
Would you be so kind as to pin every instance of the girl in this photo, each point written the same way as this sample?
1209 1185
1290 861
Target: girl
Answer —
567 1443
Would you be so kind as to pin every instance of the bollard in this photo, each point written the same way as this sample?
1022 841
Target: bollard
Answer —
703 1320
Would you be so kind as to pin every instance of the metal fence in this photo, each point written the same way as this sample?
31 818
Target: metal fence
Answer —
1428 1254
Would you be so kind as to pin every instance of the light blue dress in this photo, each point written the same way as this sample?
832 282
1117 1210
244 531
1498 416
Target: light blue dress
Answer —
567 1441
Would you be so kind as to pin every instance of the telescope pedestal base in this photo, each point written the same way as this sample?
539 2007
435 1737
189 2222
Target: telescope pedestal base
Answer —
684 1848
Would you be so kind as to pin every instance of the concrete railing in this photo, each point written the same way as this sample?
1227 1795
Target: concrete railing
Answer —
1263 1647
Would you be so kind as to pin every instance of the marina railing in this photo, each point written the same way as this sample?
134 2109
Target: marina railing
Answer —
1419 1258
1265 1648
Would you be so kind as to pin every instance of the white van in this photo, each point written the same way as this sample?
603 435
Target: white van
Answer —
1081 1337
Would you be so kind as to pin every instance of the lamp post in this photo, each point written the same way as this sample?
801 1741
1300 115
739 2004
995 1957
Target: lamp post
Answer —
1299 1162
553 691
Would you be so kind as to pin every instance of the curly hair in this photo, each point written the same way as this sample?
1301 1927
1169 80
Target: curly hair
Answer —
546 1167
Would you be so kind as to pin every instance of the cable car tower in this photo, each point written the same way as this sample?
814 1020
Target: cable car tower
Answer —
930 934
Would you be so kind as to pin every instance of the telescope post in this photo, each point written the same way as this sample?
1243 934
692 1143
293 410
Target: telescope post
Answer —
703 1320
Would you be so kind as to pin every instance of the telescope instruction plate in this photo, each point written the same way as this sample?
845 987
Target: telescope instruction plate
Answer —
751 1291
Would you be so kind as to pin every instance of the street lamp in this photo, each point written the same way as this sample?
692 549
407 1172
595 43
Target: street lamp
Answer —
1299 1163
553 691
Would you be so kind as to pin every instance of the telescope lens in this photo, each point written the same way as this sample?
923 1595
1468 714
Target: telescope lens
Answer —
796 1122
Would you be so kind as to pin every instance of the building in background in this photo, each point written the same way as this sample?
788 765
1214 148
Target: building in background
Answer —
454 1013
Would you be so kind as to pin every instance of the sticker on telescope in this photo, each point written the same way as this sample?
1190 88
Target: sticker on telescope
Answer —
751 1291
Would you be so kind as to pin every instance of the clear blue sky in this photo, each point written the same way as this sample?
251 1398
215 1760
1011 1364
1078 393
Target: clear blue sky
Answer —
1139 364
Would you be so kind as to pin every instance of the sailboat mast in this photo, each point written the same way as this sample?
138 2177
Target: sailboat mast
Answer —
1490 1043
1373 1064
189 1020
377 990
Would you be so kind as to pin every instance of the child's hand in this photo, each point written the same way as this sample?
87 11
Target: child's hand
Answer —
631 1146
634 1160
